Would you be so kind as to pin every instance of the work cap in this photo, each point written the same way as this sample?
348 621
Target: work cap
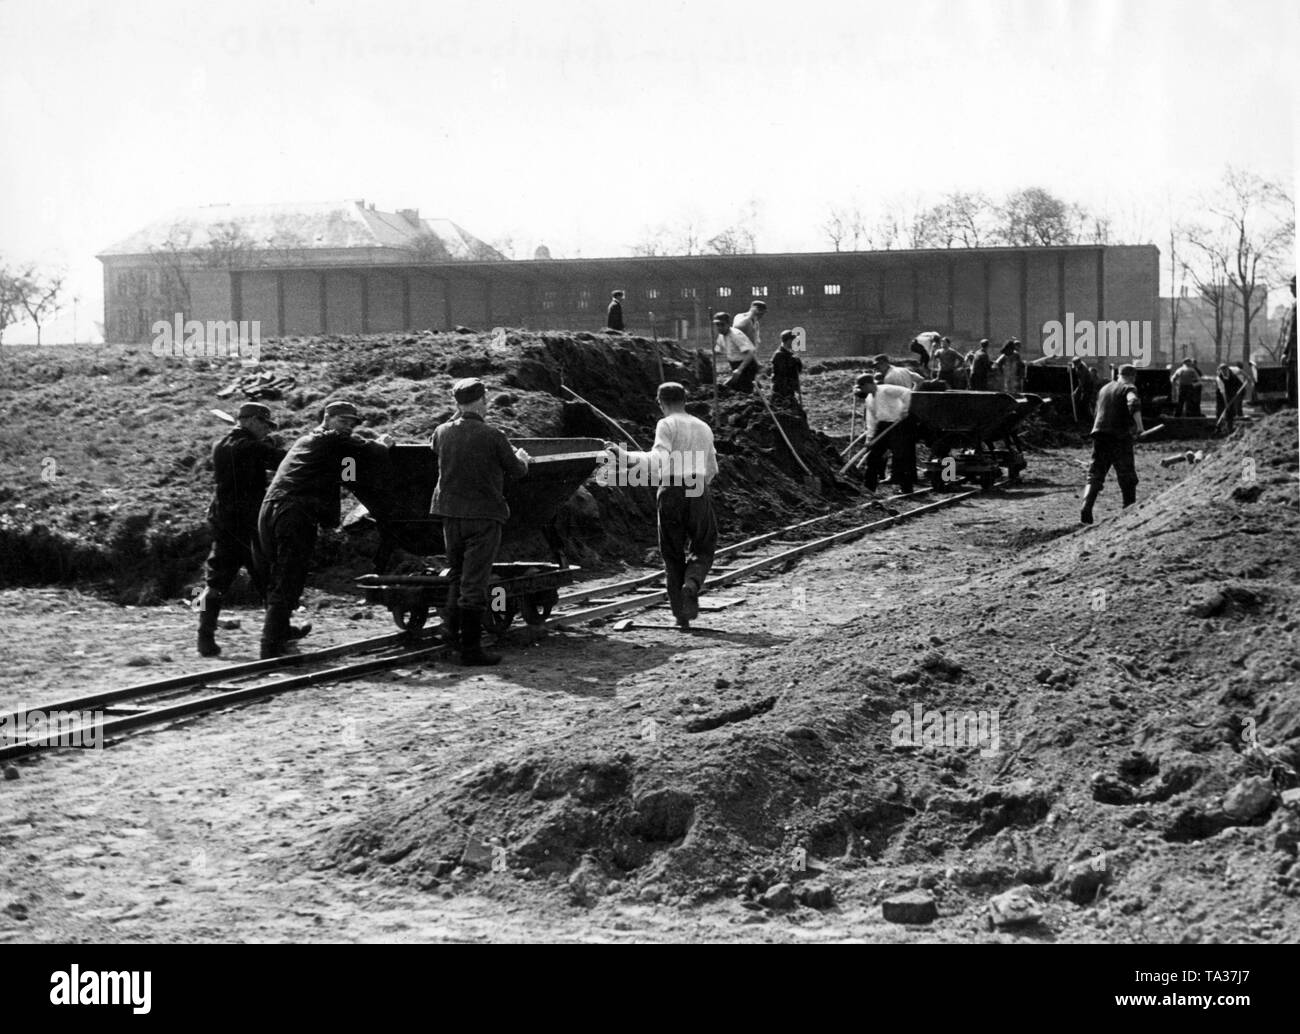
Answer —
467 390
256 409
342 409
878 359
760 306
721 317
1128 370
984 342
787 335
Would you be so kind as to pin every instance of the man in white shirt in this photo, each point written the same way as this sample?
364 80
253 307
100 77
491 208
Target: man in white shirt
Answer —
747 322
889 429
682 462
901 376
741 354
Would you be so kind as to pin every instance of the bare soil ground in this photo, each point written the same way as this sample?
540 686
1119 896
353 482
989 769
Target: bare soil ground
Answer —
650 785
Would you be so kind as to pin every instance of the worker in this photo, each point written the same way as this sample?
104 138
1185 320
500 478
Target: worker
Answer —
1286 348
980 366
1228 391
1119 415
741 354
1011 367
240 462
786 368
747 322
473 462
614 314
889 429
946 359
897 375
682 462
1085 387
922 356
303 496
1186 382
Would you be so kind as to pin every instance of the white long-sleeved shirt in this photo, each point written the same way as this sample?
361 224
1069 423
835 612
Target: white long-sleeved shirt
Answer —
903 377
682 454
890 403
735 345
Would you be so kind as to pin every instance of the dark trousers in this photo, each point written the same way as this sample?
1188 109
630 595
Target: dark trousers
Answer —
472 545
1110 451
901 441
743 373
233 547
1189 402
688 538
287 534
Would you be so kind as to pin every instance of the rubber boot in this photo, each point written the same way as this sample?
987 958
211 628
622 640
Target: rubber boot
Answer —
209 608
1085 515
472 653
1129 494
449 633
275 632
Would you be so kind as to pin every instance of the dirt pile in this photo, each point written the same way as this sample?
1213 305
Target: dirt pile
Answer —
105 473
1113 720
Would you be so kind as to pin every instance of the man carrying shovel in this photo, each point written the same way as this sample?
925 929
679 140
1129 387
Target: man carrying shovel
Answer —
1119 414
889 429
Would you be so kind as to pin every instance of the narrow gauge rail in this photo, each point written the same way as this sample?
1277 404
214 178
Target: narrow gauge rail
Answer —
166 700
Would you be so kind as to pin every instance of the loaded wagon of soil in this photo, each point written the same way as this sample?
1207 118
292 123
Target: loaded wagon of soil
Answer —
558 468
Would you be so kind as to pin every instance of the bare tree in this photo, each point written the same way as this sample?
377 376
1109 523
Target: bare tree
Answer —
1173 292
844 225
41 298
1257 218
1206 265
964 219
13 290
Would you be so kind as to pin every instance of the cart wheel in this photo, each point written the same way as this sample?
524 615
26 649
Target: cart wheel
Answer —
497 621
537 606
988 479
411 620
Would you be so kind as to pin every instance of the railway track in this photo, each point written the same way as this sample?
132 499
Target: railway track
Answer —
646 590
147 704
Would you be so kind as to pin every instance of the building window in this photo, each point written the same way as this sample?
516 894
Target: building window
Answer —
652 292
584 298
794 290
724 292
758 291
548 300
688 293
830 288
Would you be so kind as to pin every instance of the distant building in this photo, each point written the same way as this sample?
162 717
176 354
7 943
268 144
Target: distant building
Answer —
346 269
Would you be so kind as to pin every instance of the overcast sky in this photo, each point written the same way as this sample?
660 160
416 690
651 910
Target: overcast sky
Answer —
579 124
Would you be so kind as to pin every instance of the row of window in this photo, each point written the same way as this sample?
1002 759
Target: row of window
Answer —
585 298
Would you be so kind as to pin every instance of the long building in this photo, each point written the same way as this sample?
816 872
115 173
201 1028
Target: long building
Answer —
347 269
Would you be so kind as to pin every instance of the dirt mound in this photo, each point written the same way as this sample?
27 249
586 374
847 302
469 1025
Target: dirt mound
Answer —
105 473
1108 719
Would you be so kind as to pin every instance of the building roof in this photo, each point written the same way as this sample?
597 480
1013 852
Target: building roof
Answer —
312 226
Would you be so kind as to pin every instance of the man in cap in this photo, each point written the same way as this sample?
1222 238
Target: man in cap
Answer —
240 461
1228 392
1286 347
946 359
740 352
888 373
786 367
747 322
473 462
889 430
304 496
1119 415
682 462
614 314
980 365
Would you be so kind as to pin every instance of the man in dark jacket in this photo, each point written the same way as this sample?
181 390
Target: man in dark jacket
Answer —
240 462
614 315
1228 392
473 463
786 367
304 496
1119 414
